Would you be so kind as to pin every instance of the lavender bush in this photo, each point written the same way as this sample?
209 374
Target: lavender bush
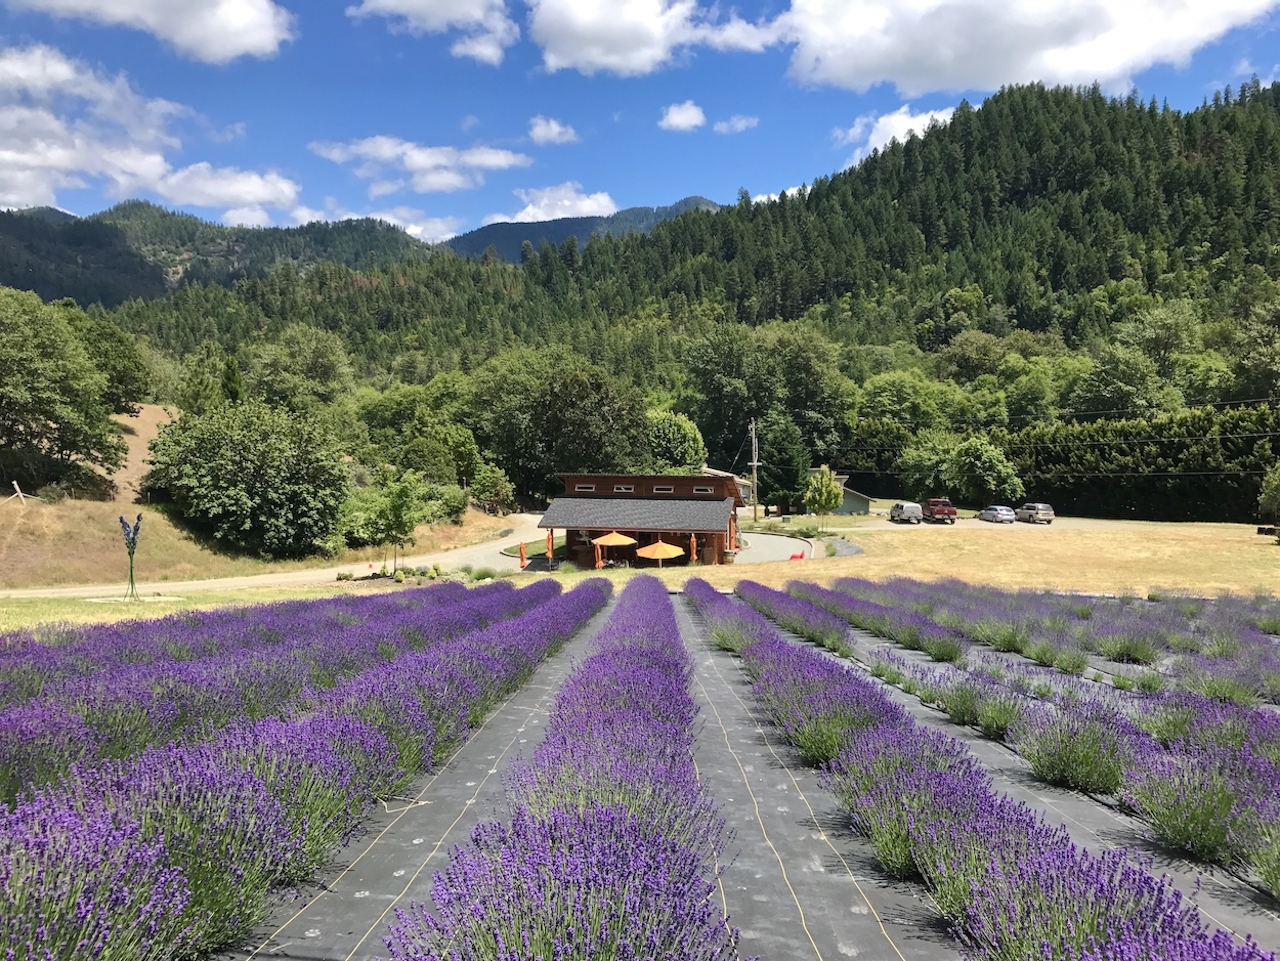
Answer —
176 849
1014 886
610 847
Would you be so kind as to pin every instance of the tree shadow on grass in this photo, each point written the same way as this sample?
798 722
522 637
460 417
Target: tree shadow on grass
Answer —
203 537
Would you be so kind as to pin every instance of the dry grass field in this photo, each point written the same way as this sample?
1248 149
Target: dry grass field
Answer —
79 542
1115 558
1137 558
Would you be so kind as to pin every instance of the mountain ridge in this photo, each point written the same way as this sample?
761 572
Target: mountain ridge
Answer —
137 249
508 237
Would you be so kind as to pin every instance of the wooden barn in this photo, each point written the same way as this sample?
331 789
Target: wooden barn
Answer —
677 518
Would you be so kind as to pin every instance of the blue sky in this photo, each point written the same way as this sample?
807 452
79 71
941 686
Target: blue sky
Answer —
442 115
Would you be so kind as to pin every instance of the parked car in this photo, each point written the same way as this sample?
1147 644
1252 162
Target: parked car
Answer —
938 510
1035 513
997 514
906 512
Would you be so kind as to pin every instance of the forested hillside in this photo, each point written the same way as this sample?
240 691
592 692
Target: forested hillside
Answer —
1056 294
137 249
508 240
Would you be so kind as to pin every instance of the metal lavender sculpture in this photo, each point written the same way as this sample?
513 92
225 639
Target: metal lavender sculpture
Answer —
131 545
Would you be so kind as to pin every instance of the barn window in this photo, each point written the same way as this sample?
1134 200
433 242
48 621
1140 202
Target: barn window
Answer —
704 490
585 487
667 489
623 488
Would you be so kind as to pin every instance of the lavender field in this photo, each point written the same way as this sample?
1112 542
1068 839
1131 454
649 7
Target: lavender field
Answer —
875 770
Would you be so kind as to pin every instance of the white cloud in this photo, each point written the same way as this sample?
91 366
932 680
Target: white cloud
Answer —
412 221
736 124
790 192
552 203
633 37
682 116
545 130
215 31
252 216
1246 68
424 169
487 30
470 122
872 131
203 185
919 46
65 126
929 45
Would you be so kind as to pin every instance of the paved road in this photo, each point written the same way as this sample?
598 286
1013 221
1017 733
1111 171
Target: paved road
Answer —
763 548
878 522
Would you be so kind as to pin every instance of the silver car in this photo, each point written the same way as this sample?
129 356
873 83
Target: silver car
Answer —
905 512
1035 513
997 514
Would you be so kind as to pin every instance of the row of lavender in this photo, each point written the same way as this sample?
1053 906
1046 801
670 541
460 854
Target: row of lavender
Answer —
175 851
175 680
1013 885
50 654
611 845
1202 773
1222 647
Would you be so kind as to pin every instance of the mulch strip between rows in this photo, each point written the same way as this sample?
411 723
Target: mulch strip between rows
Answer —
344 916
798 883
1224 900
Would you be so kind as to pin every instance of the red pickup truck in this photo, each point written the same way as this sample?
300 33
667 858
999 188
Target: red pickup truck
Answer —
938 510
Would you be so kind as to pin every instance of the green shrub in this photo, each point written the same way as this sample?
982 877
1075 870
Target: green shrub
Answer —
257 478
1071 661
960 702
997 713
1150 682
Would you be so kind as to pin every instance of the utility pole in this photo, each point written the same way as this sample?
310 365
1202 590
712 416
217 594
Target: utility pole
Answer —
755 477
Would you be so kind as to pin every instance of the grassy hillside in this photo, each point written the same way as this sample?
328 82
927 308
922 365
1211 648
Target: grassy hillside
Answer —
78 542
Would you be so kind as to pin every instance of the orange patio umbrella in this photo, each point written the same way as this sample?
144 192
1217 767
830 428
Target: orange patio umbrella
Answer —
614 539
523 563
551 544
659 551
693 547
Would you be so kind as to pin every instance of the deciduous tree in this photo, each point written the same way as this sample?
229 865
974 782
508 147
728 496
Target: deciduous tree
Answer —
52 413
256 478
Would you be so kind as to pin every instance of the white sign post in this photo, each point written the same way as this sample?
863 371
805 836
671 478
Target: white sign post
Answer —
17 492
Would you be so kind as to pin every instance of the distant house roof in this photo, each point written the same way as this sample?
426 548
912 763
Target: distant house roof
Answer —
842 480
638 514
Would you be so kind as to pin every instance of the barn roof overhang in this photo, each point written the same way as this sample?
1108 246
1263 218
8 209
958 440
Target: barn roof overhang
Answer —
638 514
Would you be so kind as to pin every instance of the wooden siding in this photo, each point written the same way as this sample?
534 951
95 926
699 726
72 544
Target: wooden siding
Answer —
695 487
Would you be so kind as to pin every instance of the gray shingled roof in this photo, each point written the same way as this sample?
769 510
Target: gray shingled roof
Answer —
637 514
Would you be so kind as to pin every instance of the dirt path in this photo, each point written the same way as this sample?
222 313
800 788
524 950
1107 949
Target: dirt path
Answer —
344 917
801 885
525 528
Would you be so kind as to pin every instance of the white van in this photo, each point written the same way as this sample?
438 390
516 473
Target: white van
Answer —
904 512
